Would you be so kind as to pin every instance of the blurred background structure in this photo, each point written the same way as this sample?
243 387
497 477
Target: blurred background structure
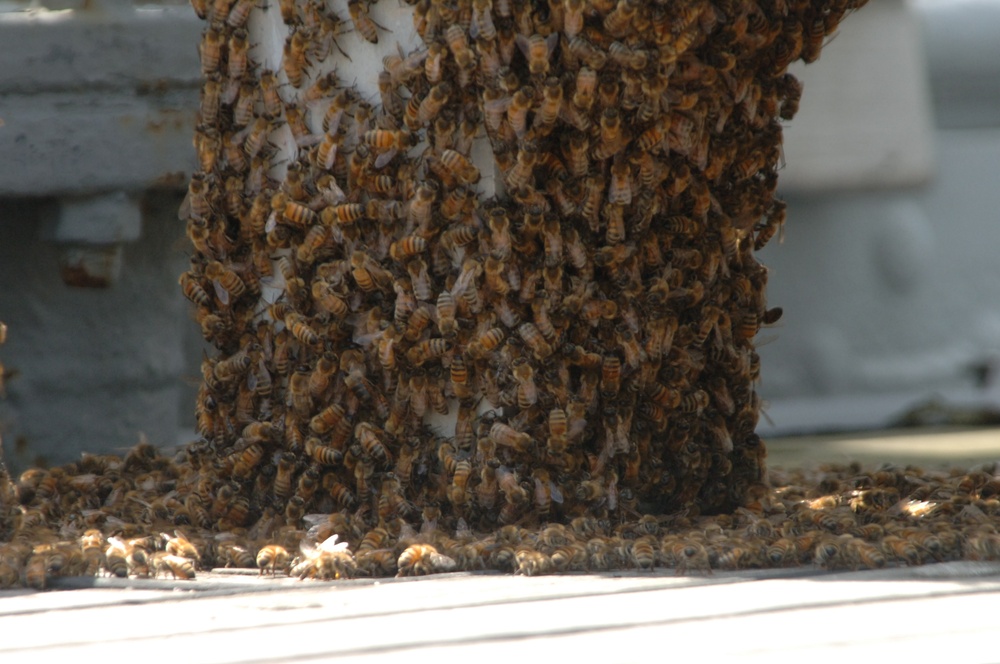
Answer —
887 275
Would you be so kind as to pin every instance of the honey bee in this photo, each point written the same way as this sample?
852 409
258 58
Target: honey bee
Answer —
594 58
481 26
417 323
460 166
193 291
367 273
535 340
294 61
227 284
363 23
446 309
423 559
179 545
630 58
211 46
329 559
301 330
522 173
282 485
504 434
429 107
537 50
368 436
162 562
527 390
620 188
273 557
507 482
292 212
428 349
236 58
418 209
269 93
613 137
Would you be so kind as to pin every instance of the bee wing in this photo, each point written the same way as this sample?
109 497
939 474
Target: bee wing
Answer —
309 549
184 211
557 495
524 44
313 520
221 292
551 41
230 92
272 222
384 158
330 545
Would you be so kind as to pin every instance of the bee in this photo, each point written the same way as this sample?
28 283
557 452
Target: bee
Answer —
620 188
322 88
272 101
294 60
481 26
239 13
535 340
812 39
504 434
594 58
227 284
273 557
343 214
775 223
446 309
507 482
329 559
193 290
363 23
301 330
630 58
282 485
407 247
417 323
792 95
211 46
292 212
618 21
429 349
368 436
522 173
429 107
423 559
368 275
236 58
418 209
460 166
527 391
613 137
532 563
388 143
162 562
537 50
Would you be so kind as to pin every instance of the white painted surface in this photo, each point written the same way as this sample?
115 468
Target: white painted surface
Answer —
865 119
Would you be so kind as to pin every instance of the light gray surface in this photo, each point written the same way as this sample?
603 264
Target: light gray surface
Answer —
96 367
625 617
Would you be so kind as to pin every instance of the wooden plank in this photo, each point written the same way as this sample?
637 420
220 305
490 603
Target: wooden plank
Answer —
929 446
396 618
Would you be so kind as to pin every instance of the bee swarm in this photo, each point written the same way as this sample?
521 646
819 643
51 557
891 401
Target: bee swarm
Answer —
591 322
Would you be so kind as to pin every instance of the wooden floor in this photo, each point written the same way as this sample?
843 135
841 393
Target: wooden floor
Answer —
924 613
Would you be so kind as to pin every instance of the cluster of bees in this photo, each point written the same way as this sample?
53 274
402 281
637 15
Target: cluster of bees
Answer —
125 517
589 323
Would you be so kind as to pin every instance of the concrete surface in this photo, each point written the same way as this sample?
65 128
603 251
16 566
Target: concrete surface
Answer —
926 613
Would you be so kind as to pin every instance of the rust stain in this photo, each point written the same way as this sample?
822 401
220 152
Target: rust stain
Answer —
77 276
172 180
